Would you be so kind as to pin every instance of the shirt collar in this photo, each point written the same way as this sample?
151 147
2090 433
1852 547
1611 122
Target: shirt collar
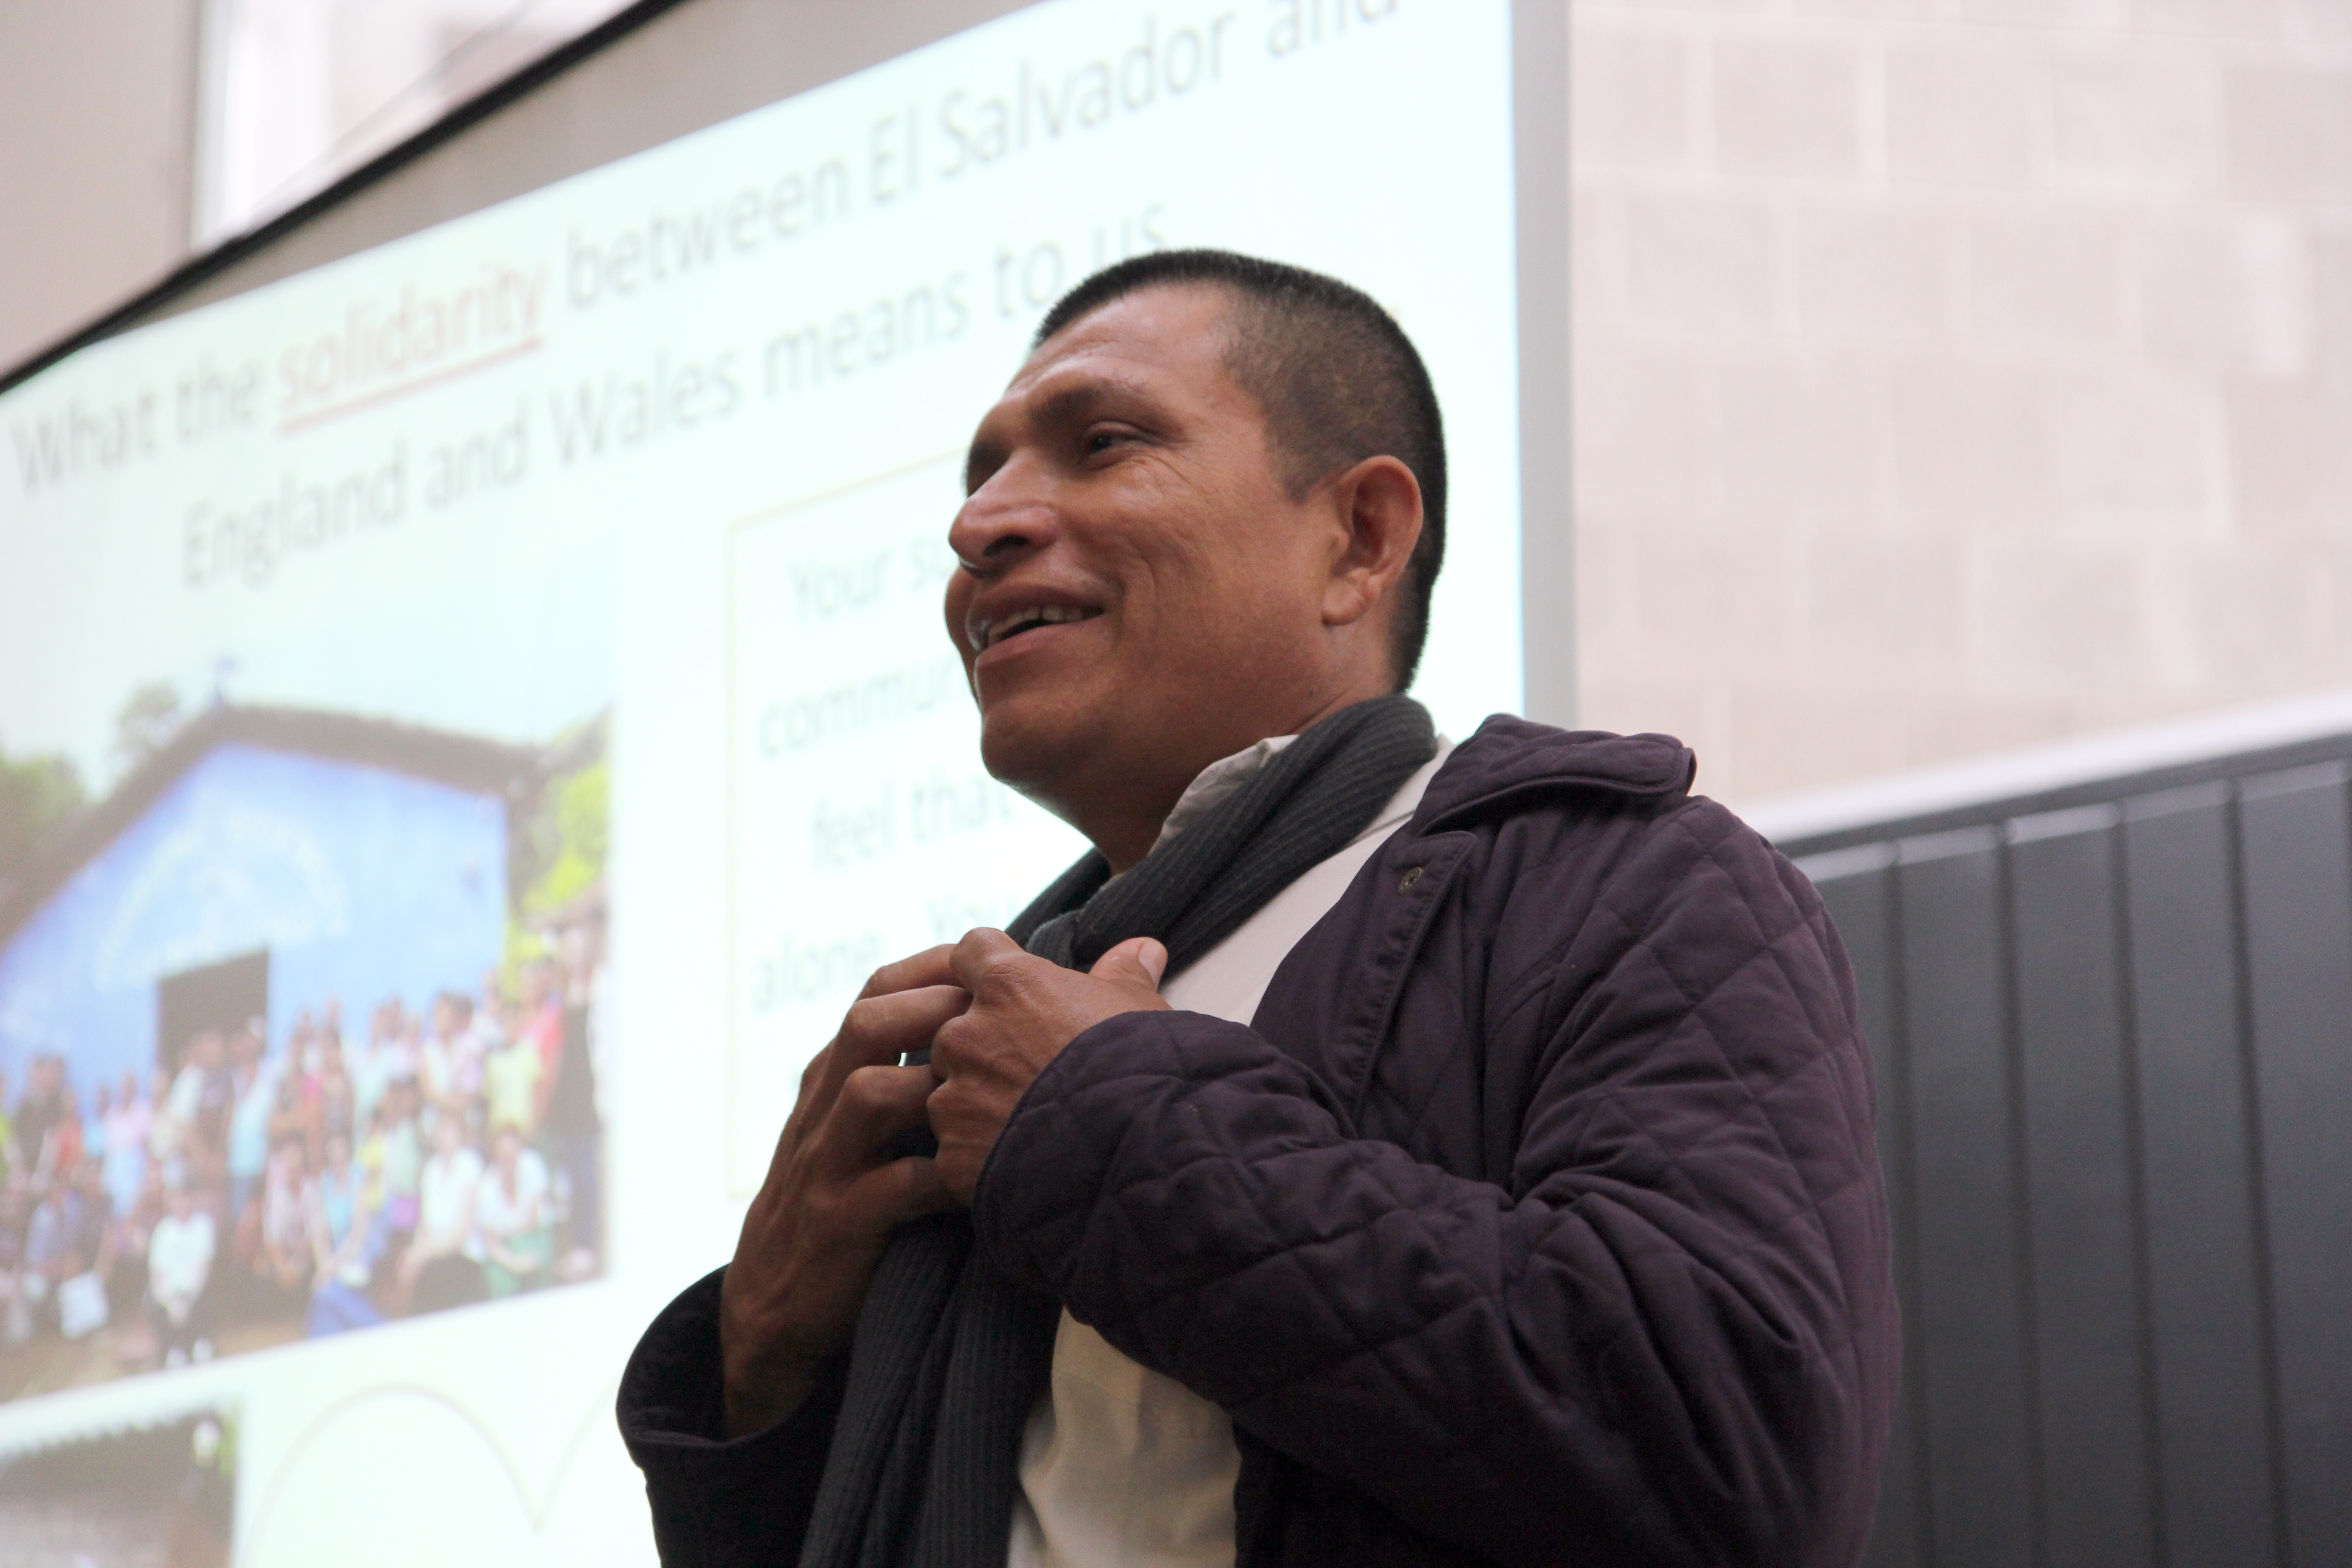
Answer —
1214 783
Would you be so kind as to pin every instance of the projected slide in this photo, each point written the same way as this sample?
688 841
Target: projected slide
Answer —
473 714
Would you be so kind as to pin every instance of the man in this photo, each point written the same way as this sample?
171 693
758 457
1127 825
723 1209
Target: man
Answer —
1412 1155
199 1102
179 1268
125 1162
438 1269
44 1088
574 1125
53 1236
511 1076
253 1098
386 1055
450 1069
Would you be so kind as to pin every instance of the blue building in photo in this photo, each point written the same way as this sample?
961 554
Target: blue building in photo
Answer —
265 862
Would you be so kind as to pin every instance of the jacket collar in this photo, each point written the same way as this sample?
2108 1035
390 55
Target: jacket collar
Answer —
1510 759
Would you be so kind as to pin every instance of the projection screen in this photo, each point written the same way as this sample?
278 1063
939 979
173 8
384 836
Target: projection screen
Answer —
474 707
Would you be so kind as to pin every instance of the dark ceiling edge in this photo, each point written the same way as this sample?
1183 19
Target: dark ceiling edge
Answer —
1994 810
461 117
464 763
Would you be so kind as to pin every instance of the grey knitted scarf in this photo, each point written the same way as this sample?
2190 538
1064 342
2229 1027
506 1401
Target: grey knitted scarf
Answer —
949 1355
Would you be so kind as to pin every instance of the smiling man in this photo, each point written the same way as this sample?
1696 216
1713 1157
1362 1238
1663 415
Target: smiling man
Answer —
1377 1151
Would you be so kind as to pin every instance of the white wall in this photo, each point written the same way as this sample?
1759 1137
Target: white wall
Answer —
1957 374
97 110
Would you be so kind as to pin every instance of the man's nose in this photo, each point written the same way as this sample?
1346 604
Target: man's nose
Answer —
1004 522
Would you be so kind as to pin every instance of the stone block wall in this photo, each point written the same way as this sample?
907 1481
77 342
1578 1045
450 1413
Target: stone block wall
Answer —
1952 374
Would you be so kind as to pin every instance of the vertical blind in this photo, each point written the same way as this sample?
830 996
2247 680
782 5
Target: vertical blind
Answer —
2112 1030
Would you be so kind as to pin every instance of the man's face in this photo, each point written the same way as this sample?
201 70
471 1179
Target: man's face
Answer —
1141 594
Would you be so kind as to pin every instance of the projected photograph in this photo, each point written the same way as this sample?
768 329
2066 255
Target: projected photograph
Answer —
298 1033
158 1496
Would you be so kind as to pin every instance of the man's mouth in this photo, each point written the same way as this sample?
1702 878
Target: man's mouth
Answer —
986 635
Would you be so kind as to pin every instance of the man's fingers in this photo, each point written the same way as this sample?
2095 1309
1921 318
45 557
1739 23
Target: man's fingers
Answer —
982 950
929 967
877 1030
903 1190
876 1104
883 1028
1137 960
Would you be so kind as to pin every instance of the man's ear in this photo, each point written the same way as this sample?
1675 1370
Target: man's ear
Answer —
1378 505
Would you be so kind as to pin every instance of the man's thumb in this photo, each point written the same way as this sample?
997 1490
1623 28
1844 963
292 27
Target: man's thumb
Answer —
1137 960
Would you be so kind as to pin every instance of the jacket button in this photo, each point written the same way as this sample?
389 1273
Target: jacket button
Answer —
1408 879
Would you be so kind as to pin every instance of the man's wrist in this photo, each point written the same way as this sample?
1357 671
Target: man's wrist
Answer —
763 1378
753 1402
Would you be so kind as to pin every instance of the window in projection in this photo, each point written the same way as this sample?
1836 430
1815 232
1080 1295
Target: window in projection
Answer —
297 93
473 714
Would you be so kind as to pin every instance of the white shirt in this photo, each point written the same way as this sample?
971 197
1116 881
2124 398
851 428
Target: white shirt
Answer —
1120 1466
497 1218
444 1200
180 1259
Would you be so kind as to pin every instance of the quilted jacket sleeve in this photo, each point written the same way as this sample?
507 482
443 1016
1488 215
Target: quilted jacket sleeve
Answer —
719 1503
1640 1348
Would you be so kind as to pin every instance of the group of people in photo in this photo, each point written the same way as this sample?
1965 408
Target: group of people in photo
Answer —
347 1176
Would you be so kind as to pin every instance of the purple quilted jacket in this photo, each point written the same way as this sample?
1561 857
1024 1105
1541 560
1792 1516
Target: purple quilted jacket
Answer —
1535 1219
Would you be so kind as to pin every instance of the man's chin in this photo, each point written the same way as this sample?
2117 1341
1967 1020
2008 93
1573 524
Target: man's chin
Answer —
1038 748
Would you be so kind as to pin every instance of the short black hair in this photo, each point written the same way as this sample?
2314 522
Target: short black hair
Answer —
1337 379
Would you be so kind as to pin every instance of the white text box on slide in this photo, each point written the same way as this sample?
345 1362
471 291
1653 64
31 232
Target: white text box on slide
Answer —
861 825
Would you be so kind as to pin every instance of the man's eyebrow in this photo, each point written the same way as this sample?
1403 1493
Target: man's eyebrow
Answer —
1067 403
1064 405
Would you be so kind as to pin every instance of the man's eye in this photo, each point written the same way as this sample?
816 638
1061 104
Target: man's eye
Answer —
1098 441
